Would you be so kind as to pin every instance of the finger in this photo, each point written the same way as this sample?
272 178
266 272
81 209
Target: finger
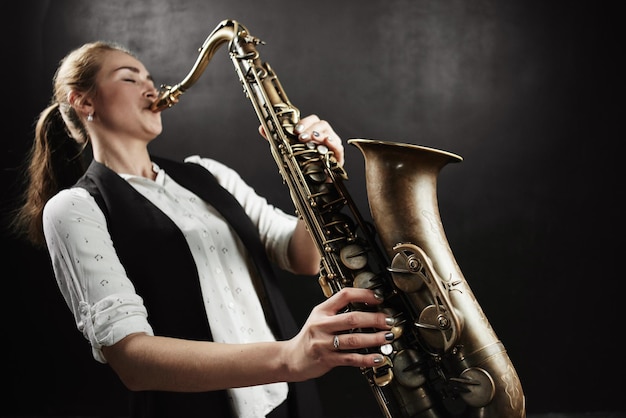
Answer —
314 129
360 360
336 146
320 131
358 340
305 123
355 320
350 295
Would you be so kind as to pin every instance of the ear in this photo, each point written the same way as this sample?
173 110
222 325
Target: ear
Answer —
81 103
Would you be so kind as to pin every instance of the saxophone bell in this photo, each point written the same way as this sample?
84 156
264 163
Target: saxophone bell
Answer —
452 329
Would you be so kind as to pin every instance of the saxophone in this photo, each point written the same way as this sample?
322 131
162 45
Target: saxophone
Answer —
445 361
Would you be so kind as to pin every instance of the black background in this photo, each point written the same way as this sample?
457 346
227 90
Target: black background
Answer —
528 92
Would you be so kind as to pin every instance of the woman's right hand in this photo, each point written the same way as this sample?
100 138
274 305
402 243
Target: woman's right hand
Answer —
329 339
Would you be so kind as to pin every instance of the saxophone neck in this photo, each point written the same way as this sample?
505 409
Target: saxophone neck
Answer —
226 31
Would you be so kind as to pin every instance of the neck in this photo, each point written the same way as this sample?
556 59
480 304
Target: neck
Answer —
134 162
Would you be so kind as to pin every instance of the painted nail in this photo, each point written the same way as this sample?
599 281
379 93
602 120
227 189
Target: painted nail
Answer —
378 359
389 336
378 296
390 320
316 134
304 136
299 127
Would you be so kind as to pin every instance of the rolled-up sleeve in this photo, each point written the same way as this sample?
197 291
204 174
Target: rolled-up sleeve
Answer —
89 274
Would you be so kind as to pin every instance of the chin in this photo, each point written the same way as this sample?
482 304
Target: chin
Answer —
157 128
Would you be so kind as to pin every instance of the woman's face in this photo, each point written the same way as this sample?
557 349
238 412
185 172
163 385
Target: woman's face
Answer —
125 91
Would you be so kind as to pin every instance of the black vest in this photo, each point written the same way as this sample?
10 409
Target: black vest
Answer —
159 263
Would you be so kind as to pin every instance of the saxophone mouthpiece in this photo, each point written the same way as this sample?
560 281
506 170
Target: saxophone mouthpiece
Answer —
168 97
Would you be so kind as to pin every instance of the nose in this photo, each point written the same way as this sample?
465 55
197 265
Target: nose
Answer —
151 91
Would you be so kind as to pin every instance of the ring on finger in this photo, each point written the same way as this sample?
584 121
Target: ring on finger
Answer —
336 342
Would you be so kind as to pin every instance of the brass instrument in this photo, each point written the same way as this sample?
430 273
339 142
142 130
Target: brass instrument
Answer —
445 360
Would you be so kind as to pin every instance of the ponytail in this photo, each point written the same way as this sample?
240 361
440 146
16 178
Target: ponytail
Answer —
57 158
55 162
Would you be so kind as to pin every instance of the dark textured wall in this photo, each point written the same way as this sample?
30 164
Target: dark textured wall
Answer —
526 91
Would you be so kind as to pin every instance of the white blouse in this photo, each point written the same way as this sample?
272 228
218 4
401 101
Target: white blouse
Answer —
103 299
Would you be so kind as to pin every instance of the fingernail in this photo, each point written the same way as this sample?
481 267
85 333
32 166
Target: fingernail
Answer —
378 296
316 134
390 320
299 127
304 136
378 359
389 336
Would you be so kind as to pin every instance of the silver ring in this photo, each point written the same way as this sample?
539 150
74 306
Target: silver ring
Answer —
336 342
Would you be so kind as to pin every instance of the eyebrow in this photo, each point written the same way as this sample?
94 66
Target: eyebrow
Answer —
133 69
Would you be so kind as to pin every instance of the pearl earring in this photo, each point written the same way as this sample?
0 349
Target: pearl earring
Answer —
90 117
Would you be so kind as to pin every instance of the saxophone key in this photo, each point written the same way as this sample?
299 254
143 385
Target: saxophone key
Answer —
383 373
409 368
353 256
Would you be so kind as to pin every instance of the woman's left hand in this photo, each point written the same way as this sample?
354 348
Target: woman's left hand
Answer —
313 129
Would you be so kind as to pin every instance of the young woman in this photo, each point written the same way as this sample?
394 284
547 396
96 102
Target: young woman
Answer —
163 263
